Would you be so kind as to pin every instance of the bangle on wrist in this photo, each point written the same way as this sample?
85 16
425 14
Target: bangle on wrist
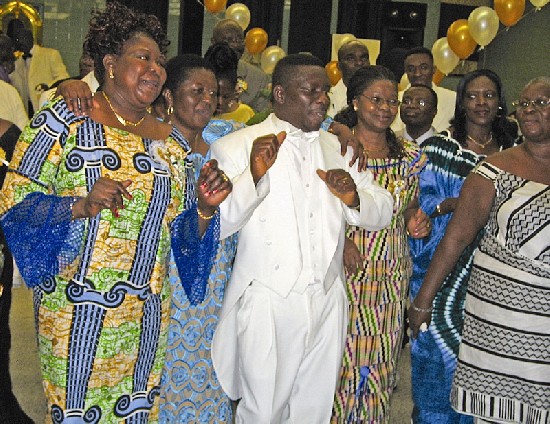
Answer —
423 310
438 209
206 217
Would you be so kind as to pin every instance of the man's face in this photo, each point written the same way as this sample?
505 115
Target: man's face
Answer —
232 35
304 100
417 107
23 40
419 69
351 57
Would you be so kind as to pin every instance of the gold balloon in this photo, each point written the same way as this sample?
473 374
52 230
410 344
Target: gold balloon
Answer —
239 12
509 11
255 40
460 39
333 72
270 57
444 58
483 25
215 6
438 77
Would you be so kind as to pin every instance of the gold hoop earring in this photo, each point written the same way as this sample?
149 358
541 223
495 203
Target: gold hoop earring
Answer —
170 110
355 108
111 74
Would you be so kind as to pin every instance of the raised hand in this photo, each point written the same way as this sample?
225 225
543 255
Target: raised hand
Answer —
213 186
105 194
340 183
263 154
77 95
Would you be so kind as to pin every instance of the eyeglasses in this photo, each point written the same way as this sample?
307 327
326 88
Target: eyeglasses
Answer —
538 104
421 103
379 101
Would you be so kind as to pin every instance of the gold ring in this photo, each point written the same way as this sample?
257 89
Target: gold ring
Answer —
225 177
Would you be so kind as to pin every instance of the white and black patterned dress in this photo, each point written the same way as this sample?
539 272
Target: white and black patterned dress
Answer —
503 371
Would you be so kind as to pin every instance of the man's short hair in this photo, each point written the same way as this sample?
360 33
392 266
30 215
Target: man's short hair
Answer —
418 50
430 89
283 70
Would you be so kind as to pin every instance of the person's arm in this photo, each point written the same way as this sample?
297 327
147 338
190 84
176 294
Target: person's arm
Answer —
77 95
470 216
417 222
347 138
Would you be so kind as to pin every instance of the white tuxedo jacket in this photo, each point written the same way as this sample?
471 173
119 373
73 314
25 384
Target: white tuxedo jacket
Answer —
270 221
46 67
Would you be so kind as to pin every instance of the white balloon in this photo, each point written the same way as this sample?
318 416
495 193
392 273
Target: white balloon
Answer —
445 59
270 57
239 12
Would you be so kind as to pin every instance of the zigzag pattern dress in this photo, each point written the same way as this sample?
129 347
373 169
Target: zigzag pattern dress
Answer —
377 295
434 353
102 322
503 371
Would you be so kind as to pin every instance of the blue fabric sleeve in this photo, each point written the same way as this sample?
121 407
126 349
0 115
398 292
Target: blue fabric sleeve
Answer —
194 256
325 125
42 236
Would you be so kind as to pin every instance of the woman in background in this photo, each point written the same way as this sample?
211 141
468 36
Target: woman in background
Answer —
479 128
377 262
224 61
504 363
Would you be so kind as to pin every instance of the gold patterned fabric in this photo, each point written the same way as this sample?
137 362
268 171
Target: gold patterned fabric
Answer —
377 294
102 324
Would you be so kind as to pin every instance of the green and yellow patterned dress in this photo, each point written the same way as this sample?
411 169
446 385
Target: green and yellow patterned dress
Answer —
377 294
102 320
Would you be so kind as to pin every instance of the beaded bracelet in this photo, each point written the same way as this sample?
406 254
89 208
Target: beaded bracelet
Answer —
423 310
206 217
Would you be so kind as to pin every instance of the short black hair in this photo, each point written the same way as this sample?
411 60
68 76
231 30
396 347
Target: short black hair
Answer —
284 68
223 60
419 50
179 67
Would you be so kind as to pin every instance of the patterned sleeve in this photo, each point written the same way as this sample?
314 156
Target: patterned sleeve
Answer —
36 221
193 255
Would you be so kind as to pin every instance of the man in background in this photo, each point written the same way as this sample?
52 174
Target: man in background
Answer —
351 56
420 69
417 111
36 70
256 81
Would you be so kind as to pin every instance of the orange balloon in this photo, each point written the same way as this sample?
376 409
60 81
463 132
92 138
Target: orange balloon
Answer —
215 6
509 11
255 40
460 40
438 77
333 72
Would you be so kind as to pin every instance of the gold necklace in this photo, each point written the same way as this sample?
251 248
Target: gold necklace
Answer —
477 143
119 118
380 149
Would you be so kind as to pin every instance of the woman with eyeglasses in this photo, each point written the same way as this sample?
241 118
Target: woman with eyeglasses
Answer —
479 128
377 263
504 363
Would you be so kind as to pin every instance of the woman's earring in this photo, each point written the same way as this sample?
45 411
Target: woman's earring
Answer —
355 108
499 112
170 110
111 74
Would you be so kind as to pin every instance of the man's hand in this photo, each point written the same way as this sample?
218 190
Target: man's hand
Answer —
77 95
340 183
263 154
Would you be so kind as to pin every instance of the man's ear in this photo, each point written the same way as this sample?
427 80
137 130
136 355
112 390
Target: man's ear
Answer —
279 94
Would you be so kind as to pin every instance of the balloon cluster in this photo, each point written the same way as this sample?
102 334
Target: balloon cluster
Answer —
255 39
480 28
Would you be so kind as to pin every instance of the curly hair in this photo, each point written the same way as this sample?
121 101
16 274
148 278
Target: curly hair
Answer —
505 131
359 82
111 28
223 59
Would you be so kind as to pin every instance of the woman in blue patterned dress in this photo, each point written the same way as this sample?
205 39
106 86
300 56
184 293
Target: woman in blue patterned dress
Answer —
479 128
190 392
504 362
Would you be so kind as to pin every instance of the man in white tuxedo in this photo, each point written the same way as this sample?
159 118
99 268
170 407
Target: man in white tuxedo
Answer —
278 346
36 70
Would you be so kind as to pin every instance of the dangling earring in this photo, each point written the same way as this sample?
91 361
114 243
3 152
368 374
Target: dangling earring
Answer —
111 74
170 110
355 108
499 112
